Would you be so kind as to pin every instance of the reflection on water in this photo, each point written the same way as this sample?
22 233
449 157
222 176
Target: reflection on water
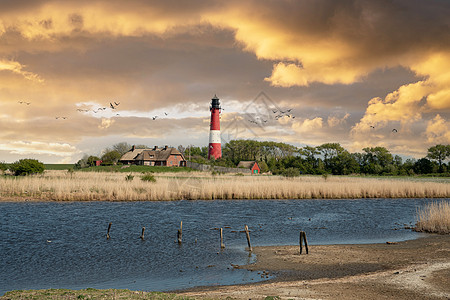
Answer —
64 245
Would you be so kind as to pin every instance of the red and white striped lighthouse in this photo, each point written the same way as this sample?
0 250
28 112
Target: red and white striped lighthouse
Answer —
215 148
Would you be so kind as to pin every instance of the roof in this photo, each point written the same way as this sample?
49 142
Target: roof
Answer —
248 164
158 154
131 155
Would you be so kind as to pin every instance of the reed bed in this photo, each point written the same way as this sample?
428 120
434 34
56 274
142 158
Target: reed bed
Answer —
434 217
89 186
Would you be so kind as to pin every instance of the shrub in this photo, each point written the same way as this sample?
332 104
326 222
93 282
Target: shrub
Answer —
26 167
70 171
148 177
129 177
290 172
3 166
434 217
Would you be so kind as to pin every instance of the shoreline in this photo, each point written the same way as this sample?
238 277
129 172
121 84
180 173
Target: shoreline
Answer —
413 269
20 199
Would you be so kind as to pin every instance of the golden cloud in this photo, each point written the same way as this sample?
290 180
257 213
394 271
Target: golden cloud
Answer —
39 148
334 121
17 68
308 125
438 131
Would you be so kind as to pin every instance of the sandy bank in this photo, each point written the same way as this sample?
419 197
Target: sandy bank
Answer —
416 269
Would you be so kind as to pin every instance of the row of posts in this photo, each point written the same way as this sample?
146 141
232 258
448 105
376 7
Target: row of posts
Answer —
222 245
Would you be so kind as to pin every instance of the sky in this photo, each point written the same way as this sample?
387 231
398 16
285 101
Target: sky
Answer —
296 71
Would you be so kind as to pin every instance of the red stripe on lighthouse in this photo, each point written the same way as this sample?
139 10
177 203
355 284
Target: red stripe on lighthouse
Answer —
215 148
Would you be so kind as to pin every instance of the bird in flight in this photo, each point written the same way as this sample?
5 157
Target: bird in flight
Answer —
394 130
373 127
111 105
116 103
154 118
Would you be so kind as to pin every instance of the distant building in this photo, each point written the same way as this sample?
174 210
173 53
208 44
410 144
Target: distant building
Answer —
251 165
167 156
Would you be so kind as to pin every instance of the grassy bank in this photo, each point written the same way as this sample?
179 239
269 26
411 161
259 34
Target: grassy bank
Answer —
434 217
88 294
79 186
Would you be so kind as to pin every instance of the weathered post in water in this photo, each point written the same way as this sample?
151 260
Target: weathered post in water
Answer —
109 229
180 233
222 245
248 238
303 238
142 234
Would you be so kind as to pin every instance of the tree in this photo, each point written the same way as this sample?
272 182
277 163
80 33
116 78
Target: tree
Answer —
26 167
263 166
90 161
111 157
423 166
122 148
439 153
3 167
330 151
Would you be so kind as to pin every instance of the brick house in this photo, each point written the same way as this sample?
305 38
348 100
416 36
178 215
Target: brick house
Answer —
167 156
252 165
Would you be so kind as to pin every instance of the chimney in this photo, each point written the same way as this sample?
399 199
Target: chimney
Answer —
155 148
133 148
165 147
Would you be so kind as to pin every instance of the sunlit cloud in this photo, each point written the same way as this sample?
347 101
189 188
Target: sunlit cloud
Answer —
334 121
39 148
167 59
438 131
308 125
17 68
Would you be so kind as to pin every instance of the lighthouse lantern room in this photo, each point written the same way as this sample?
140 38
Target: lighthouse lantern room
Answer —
215 148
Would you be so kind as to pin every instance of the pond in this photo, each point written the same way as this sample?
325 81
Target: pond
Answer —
63 244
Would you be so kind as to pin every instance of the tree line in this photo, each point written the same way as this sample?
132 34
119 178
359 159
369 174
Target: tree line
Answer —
289 160
328 158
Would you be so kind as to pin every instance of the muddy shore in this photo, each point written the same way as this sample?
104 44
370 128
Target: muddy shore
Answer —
415 269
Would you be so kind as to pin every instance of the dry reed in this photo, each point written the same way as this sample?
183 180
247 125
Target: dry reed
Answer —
85 186
434 217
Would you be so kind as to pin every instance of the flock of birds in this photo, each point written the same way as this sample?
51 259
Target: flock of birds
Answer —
280 114
113 105
393 130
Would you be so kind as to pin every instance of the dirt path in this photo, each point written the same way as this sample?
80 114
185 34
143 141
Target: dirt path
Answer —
417 269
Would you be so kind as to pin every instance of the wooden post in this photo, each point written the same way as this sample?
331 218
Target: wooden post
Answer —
222 245
180 233
109 228
142 235
303 238
248 238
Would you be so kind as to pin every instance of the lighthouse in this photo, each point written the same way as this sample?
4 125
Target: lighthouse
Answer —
215 148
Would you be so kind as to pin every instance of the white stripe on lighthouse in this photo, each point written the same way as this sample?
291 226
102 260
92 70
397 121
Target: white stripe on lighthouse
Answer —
214 136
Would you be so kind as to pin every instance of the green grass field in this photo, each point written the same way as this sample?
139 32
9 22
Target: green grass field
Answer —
58 166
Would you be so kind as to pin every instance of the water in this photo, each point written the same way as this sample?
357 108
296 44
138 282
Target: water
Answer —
63 245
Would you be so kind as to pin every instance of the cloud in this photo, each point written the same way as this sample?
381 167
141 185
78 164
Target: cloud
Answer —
39 148
17 68
308 125
385 62
438 131
334 121
106 123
